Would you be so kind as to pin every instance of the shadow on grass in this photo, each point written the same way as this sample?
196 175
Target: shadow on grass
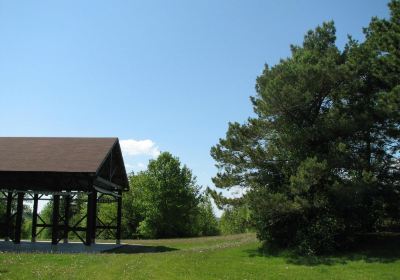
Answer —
371 248
135 249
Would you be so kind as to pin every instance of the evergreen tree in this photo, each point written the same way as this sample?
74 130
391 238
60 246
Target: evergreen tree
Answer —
320 161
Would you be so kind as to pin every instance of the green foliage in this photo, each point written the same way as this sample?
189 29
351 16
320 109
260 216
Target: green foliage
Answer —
206 222
106 213
132 208
320 162
235 220
46 214
77 211
163 201
26 228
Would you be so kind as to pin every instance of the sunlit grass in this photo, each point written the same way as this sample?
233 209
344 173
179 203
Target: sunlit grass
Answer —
223 257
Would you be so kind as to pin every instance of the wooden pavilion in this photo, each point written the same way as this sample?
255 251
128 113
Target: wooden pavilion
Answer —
32 168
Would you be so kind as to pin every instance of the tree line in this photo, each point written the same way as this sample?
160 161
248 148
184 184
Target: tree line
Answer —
164 201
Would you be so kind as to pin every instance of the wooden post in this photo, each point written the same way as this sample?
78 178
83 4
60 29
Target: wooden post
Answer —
8 216
34 216
18 221
55 219
67 203
91 218
119 216
94 216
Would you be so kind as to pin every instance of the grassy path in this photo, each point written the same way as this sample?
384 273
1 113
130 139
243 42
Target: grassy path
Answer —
228 257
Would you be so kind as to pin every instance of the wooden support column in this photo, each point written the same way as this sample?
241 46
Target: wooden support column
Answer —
55 219
91 218
8 216
18 220
94 217
67 204
34 216
119 217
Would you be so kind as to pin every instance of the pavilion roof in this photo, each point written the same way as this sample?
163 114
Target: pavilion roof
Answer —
61 163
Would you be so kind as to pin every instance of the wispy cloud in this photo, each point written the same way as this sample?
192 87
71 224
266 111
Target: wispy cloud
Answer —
132 147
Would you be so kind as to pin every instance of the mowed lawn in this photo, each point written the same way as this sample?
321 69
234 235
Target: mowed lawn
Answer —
225 257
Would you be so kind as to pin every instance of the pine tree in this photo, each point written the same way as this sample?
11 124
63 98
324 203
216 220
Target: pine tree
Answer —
320 161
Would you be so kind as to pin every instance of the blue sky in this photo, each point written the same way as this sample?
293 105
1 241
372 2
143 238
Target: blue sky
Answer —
162 75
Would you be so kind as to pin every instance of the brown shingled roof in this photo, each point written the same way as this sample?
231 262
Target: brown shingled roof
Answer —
47 156
53 154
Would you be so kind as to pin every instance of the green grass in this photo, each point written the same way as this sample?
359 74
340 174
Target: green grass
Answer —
226 257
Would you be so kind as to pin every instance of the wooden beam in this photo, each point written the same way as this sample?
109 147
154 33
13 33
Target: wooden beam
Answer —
8 216
55 219
67 204
119 218
103 183
91 218
94 216
18 220
34 216
104 191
